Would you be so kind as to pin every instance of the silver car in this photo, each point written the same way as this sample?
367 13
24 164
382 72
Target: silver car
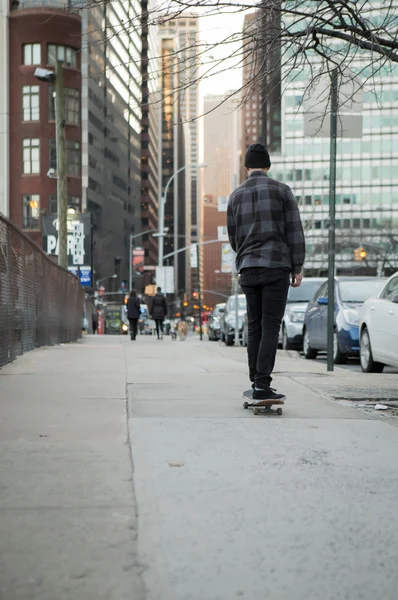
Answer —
291 331
228 319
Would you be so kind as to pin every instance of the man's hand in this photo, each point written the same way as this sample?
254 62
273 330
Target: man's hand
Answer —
296 279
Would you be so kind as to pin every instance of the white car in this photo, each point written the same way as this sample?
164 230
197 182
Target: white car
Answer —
291 331
379 329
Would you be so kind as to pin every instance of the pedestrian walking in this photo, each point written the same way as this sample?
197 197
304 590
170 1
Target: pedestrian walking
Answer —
95 322
265 231
159 311
133 313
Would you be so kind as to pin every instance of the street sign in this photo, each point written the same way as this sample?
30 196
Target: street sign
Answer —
222 203
150 290
222 233
227 258
79 243
138 258
193 255
316 109
165 279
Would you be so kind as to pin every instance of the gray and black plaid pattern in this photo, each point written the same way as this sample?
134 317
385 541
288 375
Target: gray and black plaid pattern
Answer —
264 225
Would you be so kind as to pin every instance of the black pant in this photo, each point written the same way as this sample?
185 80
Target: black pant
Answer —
266 293
159 327
133 328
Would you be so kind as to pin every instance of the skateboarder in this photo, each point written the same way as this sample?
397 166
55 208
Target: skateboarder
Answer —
133 313
159 311
265 230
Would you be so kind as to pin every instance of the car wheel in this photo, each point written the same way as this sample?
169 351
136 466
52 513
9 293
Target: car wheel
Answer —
339 358
368 365
229 340
286 345
309 352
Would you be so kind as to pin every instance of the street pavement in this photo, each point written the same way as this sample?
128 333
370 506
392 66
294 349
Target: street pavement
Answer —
131 470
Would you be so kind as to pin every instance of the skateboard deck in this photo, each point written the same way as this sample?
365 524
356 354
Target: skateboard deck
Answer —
265 408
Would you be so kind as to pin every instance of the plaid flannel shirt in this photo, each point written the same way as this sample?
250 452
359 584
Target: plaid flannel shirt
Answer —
264 225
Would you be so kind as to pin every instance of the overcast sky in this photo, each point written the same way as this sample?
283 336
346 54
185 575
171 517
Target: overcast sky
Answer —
214 29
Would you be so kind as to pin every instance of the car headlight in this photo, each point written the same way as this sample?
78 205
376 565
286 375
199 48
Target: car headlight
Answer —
216 324
296 317
351 316
124 327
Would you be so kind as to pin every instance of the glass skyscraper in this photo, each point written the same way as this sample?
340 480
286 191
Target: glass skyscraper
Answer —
367 173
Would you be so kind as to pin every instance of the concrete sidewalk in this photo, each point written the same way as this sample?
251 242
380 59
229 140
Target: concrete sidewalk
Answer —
67 510
226 505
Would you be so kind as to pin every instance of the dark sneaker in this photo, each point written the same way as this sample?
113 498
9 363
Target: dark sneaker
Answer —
268 394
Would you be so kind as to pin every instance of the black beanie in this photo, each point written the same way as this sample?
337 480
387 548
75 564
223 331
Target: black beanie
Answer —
257 157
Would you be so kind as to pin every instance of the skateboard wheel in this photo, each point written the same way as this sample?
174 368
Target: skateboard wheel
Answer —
245 405
279 411
256 411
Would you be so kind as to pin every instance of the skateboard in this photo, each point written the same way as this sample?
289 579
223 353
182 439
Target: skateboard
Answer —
263 408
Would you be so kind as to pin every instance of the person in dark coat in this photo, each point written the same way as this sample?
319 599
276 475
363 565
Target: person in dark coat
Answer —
133 313
159 311
95 322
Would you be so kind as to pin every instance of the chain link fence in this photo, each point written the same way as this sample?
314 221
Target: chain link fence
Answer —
40 303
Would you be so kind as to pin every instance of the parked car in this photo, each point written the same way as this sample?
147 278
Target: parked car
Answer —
214 326
228 317
245 333
291 331
378 326
350 294
149 327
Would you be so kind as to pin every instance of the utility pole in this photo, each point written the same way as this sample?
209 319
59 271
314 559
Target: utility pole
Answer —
62 183
199 292
332 215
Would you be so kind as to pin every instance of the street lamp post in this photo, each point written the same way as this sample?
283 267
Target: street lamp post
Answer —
106 278
62 182
162 207
132 237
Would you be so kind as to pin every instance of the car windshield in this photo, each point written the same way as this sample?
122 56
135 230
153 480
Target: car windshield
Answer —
241 303
305 292
360 291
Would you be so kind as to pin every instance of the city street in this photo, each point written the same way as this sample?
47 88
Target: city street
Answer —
130 470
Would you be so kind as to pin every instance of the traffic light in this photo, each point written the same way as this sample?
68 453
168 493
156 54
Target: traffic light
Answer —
185 303
195 295
359 254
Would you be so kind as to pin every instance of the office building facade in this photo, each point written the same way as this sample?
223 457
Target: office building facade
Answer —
367 173
150 90
102 89
173 159
111 132
39 37
261 83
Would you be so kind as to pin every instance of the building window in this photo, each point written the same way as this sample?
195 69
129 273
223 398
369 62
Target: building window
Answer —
31 54
73 158
73 202
72 105
31 211
63 54
31 156
30 103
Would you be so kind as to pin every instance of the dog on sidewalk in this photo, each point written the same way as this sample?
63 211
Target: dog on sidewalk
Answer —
182 330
